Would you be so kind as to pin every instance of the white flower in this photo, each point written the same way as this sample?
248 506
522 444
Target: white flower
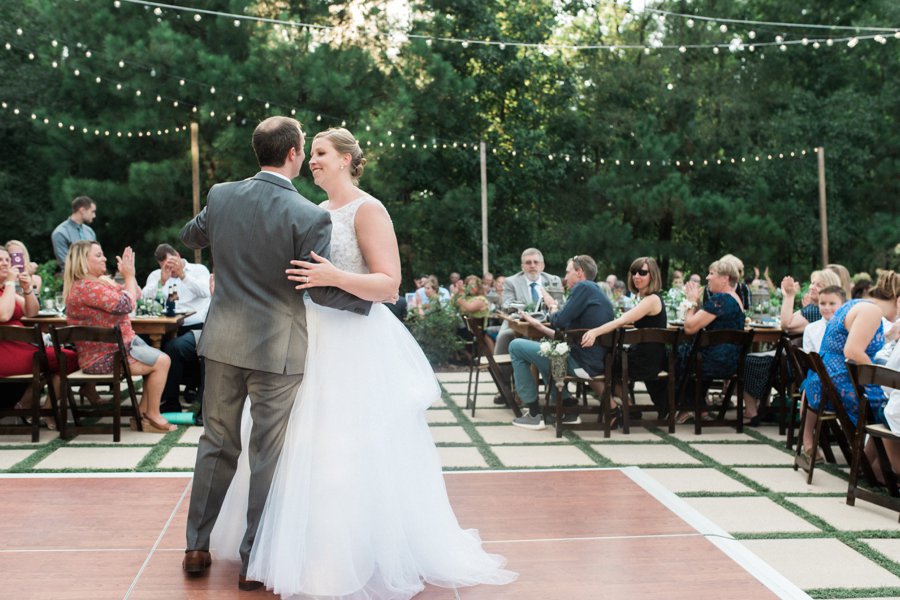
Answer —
546 348
562 349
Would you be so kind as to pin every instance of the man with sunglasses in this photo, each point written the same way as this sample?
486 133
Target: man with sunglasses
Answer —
528 286
587 307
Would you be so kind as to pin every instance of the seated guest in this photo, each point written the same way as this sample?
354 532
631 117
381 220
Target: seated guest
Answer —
17 357
856 333
473 303
487 288
677 280
645 360
741 289
844 274
422 297
861 287
16 247
499 283
830 299
586 308
723 310
796 322
190 282
95 300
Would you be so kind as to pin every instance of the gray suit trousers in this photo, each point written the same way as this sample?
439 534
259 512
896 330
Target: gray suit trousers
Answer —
271 399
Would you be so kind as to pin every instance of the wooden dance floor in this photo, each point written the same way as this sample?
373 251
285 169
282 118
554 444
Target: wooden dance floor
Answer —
579 534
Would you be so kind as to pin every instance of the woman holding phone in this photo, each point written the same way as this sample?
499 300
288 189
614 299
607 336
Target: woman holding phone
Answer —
18 254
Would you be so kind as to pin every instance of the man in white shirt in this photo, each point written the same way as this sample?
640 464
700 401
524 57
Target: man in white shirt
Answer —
191 284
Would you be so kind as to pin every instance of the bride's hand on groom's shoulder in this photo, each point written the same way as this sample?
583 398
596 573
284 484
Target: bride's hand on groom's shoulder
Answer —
318 272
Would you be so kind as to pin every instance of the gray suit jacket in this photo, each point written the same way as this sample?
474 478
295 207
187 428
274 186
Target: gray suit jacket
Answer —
516 288
255 227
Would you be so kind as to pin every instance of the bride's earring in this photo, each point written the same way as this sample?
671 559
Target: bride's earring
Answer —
342 167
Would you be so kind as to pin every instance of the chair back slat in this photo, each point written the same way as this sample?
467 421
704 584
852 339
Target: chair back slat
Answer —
863 375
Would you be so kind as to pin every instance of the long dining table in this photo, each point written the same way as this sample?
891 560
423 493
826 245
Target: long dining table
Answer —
156 328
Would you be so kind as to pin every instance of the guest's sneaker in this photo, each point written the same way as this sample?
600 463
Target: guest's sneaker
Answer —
568 419
527 421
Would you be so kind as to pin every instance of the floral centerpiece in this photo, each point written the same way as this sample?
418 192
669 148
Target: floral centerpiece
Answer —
558 353
673 299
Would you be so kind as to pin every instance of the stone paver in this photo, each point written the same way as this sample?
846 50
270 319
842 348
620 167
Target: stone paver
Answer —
750 515
94 458
191 436
888 547
437 415
835 511
638 454
745 454
509 434
685 433
461 457
128 437
542 456
8 458
636 434
491 415
786 480
696 480
179 458
821 563
25 439
450 435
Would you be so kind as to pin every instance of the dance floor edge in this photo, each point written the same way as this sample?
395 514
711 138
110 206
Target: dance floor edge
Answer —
573 534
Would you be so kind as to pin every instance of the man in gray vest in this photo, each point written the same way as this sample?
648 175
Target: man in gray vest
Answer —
254 341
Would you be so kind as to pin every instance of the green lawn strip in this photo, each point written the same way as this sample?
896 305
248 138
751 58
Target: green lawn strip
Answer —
853 540
27 464
586 447
162 447
484 449
883 592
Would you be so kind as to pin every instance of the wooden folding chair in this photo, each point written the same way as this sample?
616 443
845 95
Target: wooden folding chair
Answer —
39 377
631 337
833 424
732 385
121 373
601 385
790 377
483 359
863 375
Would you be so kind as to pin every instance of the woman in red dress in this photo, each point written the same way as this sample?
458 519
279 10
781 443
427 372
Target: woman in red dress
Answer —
17 357
95 300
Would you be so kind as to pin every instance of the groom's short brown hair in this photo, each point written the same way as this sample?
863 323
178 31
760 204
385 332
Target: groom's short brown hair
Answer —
273 138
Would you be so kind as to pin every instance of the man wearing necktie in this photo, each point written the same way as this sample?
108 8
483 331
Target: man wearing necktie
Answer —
523 288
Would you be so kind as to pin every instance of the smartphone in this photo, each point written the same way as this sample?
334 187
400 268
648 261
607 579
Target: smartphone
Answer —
18 260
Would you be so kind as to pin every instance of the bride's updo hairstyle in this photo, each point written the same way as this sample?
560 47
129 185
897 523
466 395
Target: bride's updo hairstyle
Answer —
344 142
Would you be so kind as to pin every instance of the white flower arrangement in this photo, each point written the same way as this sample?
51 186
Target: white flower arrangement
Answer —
683 307
551 348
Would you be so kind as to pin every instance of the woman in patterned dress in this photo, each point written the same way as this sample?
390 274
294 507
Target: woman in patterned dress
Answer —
95 300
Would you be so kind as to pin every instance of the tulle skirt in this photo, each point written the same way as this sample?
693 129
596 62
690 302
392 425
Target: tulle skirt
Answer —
358 509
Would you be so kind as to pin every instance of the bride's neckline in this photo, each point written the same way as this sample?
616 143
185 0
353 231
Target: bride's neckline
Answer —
351 203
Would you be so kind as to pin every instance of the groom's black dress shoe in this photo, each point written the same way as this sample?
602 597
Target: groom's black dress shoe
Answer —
196 562
248 585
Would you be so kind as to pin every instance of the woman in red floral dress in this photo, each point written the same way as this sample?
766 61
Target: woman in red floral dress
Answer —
95 300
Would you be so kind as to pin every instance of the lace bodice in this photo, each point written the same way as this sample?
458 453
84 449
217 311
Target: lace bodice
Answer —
345 252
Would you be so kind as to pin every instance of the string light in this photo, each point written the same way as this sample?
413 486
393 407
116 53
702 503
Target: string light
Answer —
93 131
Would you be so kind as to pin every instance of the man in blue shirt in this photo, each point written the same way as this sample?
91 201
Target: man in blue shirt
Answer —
76 227
587 307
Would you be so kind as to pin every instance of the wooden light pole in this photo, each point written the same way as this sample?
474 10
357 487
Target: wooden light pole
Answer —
195 174
484 217
823 208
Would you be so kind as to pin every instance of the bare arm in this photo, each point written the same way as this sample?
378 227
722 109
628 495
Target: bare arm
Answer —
648 305
862 322
792 322
474 305
378 243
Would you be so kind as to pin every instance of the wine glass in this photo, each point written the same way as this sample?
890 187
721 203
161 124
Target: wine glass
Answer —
60 303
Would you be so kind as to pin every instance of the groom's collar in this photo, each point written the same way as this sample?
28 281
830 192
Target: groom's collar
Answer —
275 178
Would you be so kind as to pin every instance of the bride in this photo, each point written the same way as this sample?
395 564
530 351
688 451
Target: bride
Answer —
358 509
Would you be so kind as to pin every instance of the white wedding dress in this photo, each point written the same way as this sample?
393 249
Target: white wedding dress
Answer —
358 509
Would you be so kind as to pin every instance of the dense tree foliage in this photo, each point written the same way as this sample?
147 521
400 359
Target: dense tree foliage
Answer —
554 119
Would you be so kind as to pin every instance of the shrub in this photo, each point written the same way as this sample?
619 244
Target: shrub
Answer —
435 330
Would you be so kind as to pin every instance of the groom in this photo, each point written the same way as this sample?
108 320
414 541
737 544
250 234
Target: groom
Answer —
254 340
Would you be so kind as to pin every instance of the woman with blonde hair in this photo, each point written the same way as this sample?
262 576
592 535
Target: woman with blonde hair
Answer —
95 300
844 274
30 268
856 333
796 322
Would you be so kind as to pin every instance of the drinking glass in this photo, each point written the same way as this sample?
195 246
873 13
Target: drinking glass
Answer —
60 303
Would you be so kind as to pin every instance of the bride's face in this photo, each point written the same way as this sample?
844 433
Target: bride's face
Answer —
326 163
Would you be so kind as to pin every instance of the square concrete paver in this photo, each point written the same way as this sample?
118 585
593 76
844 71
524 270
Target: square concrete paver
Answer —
786 480
839 515
888 547
821 563
191 436
439 415
25 439
453 376
542 456
461 457
649 454
450 434
491 415
685 433
771 432
745 454
8 458
636 434
94 458
750 515
510 434
696 480
460 387
179 458
128 437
